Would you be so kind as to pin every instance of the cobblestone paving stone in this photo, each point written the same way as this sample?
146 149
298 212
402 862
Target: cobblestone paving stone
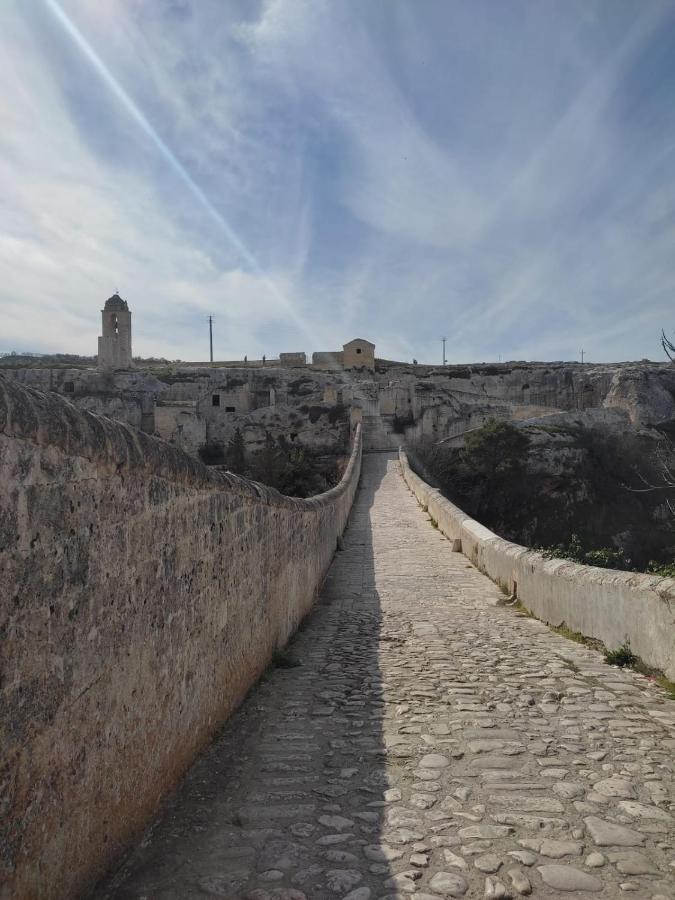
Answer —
431 743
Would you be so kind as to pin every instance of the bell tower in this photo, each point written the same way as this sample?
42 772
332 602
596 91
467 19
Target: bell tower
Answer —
114 345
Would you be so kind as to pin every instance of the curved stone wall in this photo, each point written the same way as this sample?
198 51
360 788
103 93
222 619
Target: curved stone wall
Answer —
612 606
142 595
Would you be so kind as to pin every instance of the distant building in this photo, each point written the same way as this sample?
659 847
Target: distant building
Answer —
292 360
356 354
114 345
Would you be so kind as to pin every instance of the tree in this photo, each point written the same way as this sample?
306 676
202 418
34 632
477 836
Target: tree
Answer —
301 478
662 476
269 463
235 455
497 449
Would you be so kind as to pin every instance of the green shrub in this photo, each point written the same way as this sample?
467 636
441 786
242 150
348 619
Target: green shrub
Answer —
665 570
496 449
573 550
622 657
605 557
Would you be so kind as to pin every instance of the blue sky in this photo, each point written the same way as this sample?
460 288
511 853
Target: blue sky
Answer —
501 172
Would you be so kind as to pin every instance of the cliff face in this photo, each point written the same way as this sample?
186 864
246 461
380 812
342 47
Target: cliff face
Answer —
192 406
578 473
647 394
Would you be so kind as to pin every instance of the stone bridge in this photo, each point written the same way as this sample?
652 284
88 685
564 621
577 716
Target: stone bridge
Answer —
418 736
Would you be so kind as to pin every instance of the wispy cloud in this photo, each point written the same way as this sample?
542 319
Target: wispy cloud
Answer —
308 171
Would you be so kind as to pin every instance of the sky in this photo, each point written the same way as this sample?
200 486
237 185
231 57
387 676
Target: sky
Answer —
498 172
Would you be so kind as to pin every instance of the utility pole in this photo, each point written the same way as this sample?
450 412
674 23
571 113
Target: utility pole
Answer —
443 340
582 357
211 338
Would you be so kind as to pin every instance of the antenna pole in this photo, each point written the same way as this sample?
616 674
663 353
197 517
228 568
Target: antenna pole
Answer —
443 341
582 356
211 338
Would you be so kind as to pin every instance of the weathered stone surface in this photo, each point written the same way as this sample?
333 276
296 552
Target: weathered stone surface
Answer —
494 889
615 787
336 823
452 859
526 857
567 878
529 804
484 831
488 863
569 790
631 862
342 880
643 811
554 849
434 761
608 834
447 884
361 893
520 881
382 853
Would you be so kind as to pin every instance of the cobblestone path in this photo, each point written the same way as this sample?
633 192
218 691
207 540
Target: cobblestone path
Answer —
430 743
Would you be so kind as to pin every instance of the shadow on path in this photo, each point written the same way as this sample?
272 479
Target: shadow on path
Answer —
287 802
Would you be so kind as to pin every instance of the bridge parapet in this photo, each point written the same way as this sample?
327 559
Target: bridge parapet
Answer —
605 604
142 595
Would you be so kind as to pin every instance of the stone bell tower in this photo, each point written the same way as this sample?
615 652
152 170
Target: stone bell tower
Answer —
114 346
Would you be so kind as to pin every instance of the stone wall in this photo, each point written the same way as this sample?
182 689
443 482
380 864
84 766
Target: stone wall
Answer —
177 422
327 360
611 606
126 396
142 595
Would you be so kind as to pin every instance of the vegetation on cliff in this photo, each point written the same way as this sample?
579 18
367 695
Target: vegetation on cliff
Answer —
292 470
576 492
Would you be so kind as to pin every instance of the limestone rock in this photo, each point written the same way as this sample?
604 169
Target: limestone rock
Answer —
487 832
336 823
615 787
630 862
434 761
361 893
567 878
520 881
341 880
489 863
382 853
642 811
526 857
447 884
494 889
608 834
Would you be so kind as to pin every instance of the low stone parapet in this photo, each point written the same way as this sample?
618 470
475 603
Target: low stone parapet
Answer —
611 606
141 596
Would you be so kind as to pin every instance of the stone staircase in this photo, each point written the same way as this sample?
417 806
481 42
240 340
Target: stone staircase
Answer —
378 434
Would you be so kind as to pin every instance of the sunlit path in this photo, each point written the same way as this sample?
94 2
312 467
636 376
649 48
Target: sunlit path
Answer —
430 743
